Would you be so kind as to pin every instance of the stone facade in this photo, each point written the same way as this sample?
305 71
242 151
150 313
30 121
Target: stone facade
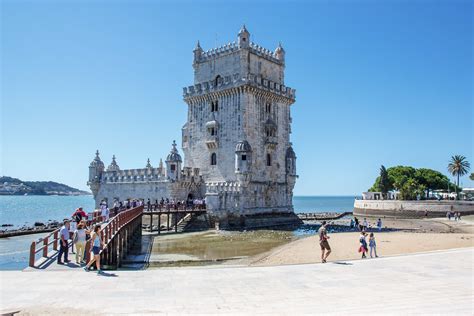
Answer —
165 181
236 140
238 128
407 209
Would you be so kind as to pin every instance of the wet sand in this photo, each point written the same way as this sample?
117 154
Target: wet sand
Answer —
413 236
211 247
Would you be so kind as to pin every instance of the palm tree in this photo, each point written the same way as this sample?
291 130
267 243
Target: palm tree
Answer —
472 176
458 166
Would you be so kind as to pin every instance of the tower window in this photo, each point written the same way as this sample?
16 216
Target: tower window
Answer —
212 131
216 81
269 160
173 167
268 107
244 157
214 106
213 159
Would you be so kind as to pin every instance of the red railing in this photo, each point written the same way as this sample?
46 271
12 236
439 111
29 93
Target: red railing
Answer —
43 244
113 227
174 207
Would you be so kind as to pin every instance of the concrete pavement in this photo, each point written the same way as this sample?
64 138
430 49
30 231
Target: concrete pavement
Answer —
430 283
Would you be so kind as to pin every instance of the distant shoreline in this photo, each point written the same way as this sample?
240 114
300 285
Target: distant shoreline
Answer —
47 194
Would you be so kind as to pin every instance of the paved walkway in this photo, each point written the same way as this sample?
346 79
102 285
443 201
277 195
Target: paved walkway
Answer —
431 283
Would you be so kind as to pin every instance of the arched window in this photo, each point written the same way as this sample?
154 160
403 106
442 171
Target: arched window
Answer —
269 160
216 81
213 159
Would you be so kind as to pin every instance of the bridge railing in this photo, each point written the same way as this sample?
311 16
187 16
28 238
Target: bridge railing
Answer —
112 228
43 245
174 207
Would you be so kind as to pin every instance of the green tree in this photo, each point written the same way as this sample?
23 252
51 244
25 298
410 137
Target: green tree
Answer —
458 167
472 176
384 184
411 182
431 179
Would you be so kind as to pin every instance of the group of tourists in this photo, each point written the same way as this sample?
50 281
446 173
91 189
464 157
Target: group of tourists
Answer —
83 227
172 204
364 226
455 215
80 236
363 245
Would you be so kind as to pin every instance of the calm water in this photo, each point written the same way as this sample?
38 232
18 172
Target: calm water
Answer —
25 210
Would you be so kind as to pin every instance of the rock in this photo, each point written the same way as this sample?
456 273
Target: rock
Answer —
38 224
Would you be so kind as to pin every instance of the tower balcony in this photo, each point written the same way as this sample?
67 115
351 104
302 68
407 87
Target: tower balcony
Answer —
271 140
212 141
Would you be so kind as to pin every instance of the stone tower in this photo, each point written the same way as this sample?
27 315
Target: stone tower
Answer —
238 128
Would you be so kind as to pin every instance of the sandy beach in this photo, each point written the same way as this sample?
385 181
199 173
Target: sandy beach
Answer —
411 236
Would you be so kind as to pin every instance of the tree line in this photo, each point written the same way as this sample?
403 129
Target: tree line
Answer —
413 183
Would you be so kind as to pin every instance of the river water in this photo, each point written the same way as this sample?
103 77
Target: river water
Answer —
26 210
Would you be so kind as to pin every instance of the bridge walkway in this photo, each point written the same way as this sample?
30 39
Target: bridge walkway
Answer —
119 235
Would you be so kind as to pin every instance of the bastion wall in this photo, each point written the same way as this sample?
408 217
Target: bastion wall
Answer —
396 208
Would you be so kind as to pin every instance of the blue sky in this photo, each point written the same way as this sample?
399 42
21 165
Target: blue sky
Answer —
378 82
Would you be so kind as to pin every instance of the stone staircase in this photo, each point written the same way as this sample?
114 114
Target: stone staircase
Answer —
192 223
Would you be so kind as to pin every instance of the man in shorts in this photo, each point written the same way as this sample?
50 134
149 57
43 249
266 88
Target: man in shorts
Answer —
323 242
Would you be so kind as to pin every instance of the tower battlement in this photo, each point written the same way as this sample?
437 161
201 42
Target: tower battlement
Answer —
232 47
233 81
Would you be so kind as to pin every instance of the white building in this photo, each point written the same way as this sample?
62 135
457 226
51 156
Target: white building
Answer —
236 140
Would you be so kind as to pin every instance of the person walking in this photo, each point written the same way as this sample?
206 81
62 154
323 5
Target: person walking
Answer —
372 245
323 242
64 237
103 212
97 242
379 224
356 223
79 240
363 244
79 214
365 224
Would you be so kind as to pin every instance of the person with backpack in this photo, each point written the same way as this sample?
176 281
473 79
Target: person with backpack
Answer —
79 240
363 244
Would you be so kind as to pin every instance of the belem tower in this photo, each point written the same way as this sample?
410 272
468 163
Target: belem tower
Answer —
236 140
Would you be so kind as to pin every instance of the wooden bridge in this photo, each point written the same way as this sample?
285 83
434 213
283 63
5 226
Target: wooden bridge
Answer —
118 235
175 216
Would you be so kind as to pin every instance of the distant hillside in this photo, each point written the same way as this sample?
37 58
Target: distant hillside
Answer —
13 186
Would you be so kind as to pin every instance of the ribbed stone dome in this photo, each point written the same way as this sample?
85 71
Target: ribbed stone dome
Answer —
96 162
174 155
113 165
243 146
